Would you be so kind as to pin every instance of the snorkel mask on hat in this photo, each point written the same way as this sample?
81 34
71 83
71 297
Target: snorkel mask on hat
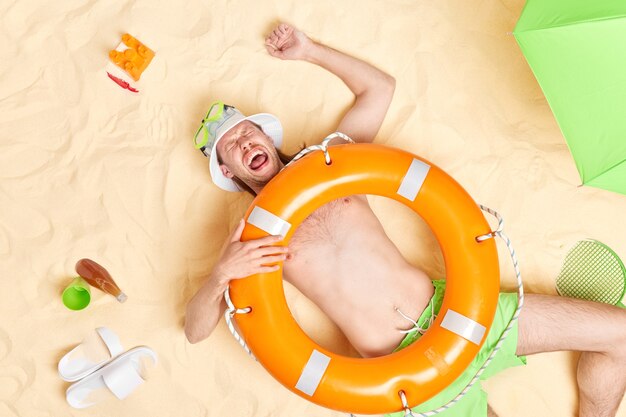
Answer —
220 119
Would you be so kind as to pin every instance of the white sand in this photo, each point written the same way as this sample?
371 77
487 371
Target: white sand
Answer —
90 170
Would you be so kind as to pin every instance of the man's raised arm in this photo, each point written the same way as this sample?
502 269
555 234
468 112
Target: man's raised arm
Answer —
372 87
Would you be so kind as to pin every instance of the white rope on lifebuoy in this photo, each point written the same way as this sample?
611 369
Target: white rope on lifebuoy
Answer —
520 302
321 147
229 313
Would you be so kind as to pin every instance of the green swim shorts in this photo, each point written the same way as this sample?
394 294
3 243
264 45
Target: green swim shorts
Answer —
474 404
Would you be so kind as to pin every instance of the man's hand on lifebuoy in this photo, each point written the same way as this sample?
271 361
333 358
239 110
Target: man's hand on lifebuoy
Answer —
242 259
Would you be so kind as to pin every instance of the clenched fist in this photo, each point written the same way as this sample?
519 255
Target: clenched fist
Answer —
287 42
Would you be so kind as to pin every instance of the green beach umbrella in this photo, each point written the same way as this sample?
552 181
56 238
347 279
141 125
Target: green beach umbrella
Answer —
577 51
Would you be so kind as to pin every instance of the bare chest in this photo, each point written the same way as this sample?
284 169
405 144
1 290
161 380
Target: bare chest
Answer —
326 225
332 242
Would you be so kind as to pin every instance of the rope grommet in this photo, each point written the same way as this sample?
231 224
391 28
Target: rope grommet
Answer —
405 404
494 233
230 307
321 147
486 236
229 314
327 156
245 310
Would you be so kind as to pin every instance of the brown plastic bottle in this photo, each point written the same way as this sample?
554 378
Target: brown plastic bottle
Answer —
99 277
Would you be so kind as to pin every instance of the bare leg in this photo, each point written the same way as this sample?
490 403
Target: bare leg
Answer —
552 323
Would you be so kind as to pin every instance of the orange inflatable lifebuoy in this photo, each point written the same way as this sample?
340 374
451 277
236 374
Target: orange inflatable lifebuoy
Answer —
423 369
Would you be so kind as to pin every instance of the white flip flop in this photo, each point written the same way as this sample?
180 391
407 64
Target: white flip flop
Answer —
121 376
86 358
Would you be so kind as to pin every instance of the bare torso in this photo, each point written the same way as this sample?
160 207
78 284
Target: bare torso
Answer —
343 261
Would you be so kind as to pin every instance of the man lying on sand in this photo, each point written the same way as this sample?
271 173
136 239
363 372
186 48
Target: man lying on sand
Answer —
364 282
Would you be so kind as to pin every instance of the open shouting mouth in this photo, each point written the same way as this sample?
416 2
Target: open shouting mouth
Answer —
256 159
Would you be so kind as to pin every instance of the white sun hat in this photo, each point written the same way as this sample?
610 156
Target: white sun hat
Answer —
220 119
